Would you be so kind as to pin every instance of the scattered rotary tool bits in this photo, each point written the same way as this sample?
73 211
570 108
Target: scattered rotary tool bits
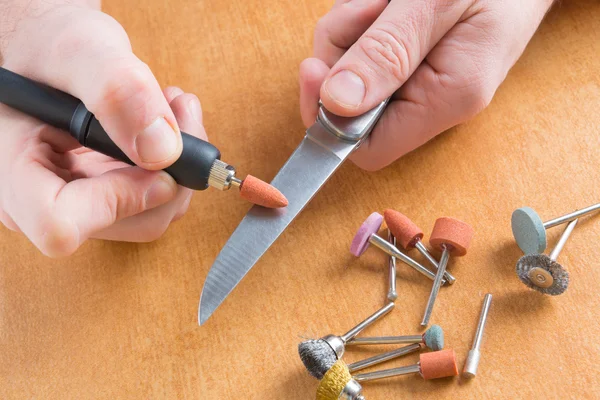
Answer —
534 269
530 231
543 273
323 358
411 236
319 355
367 234
450 236
472 362
432 338
338 383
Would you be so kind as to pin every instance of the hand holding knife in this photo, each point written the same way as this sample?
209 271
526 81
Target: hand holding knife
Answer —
327 144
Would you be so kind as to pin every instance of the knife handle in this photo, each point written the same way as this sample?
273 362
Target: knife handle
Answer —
68 113
351 129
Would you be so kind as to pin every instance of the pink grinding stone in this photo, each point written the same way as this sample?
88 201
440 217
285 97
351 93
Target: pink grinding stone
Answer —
360 243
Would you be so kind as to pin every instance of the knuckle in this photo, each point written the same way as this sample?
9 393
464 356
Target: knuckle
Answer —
368 162
8 222
370 165
387 52
126 88
440 6
118 203
59 237
322 29
472 91
181 212
155 233
478 94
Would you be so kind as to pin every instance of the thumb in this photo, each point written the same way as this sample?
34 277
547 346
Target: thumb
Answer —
102 71
387 54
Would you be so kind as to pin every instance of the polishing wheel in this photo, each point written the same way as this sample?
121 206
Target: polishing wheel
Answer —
528 230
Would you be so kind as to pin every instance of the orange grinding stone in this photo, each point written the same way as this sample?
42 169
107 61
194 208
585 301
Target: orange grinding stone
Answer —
405 231
438 364
261 193
453 232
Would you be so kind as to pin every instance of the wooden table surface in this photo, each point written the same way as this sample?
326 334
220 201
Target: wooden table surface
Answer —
119 320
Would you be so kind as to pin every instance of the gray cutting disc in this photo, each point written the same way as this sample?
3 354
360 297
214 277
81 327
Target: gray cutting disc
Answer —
528 230
559 274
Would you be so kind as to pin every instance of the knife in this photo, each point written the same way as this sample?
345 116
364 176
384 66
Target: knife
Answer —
328 142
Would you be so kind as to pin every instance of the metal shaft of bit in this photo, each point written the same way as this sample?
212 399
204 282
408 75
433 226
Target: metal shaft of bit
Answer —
371 376
392 294
571 216
436 285
381 358
386 340
470 369
351 334
390 249
563 239
423 250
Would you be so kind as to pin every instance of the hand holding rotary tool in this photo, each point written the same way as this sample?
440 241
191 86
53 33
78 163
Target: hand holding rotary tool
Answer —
58 193
198 167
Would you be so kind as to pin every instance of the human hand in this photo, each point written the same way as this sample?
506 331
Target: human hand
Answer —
60 194
441 61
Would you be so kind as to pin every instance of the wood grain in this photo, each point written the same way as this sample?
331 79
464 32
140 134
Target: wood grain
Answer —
118 320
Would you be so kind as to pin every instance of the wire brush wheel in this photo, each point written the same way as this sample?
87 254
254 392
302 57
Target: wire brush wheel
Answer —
540 273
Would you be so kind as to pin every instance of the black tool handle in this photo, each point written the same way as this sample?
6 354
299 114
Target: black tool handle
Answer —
66 112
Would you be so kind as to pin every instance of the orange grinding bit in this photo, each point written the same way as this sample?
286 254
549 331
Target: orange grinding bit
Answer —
411 237
405 231
450 231
438 364
261 193
451 237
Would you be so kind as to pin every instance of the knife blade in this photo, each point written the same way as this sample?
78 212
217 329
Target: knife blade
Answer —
327 143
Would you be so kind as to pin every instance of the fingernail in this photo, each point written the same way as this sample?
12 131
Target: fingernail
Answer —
157 142
161 191
194 107
346 88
